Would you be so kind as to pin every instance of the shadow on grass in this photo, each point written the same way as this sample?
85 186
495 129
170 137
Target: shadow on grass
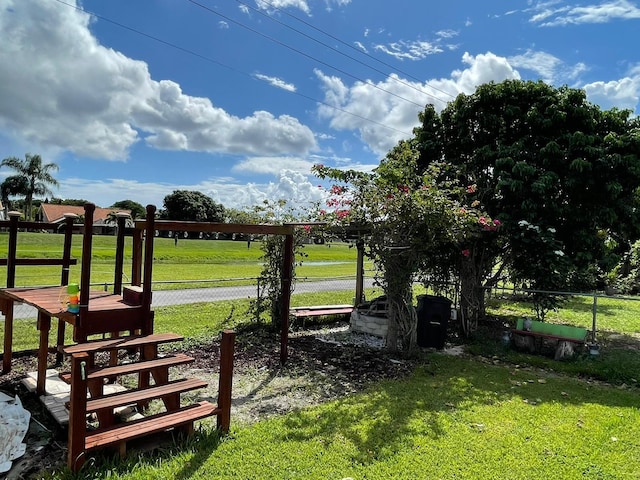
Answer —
385 419
391 416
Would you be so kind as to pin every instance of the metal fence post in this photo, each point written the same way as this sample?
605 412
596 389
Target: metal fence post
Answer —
595 308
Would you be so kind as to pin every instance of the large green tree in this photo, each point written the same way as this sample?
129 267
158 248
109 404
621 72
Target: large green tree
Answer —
76 202
137 210
12 186
234 215
192 206
561 174
37 174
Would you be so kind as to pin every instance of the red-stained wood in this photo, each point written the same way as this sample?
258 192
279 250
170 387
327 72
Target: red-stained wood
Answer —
177 417
7 309
123 343
134 396
77 412
146 426
287 260
225 379
44 325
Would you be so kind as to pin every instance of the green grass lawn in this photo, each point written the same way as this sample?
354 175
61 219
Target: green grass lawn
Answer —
190 260
455 418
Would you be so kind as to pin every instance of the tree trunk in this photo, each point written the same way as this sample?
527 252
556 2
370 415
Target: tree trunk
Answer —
403 321
472 300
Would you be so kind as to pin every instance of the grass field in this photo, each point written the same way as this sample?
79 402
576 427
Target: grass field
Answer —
191 259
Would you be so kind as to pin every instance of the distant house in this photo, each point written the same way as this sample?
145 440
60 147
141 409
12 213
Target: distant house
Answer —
50 213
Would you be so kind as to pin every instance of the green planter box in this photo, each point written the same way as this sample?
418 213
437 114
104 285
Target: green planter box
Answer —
565 331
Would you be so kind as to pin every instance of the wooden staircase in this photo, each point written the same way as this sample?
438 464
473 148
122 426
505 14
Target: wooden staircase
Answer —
88 377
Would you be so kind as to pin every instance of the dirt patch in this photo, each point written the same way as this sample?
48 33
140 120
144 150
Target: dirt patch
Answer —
324 364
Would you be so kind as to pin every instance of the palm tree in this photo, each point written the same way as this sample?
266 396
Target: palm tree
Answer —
12 186
37 175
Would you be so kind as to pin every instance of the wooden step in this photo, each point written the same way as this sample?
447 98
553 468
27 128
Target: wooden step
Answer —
135 396
133 367
145 426
132 341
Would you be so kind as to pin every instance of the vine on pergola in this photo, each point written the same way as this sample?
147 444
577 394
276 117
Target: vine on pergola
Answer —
415 226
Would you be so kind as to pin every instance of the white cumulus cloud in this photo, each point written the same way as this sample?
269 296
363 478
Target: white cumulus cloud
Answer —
60 88
622 93
273 165
381 119
550 68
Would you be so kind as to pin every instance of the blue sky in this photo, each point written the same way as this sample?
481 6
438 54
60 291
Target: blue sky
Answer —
238 99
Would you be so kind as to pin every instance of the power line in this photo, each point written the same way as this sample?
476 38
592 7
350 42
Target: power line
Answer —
300 52
398 80
216 62
346 44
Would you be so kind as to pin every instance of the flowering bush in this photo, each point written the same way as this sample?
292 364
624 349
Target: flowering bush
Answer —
414 225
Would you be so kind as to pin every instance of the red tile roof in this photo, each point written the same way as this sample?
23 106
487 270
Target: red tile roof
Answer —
51 213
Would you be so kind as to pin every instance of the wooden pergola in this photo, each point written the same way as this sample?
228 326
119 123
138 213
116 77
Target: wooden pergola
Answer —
251 229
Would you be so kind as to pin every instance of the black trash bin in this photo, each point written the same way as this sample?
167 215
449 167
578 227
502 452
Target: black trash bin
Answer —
433 317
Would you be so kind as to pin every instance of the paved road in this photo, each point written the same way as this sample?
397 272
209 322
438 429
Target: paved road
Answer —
162 298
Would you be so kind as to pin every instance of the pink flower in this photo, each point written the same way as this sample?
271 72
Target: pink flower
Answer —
323 212
466 252
307 228
463 210
472 188
497 222
482 221
342 213
336 190
390 195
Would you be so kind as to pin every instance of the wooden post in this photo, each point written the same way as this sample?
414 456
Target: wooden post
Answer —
121 219
77 412
8 336
85 272
69 218
7 353
44 325
225 379
12 248
136 258
288 259
148 268
66 249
